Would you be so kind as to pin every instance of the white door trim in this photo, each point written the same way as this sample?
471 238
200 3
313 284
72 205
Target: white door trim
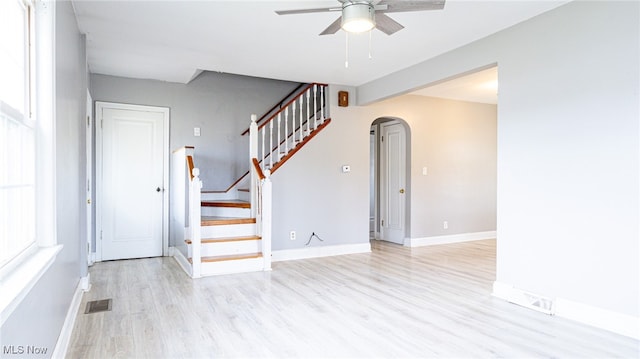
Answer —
384 166
165 172
89 179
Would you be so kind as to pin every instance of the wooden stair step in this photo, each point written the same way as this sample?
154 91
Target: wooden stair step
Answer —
233 203
226 239
221 221
228 258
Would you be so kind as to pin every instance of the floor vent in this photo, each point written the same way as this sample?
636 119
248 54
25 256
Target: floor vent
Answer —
532 301
95 306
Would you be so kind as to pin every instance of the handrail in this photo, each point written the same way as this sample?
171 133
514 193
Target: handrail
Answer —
300 93
272 117
256 165
287 136
190 166
274 107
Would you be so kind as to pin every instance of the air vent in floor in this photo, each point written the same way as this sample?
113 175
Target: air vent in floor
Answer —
95 306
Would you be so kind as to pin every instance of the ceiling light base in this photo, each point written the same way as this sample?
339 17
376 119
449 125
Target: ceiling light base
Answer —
358 17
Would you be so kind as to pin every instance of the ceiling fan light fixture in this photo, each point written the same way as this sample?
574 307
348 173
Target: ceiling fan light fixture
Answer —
358 17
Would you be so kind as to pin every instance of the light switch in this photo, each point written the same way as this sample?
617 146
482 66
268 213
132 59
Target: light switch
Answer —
424 171
196 131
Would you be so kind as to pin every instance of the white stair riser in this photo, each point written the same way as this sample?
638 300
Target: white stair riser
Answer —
226 212
231 230
229 248
232 266
219 196
244 196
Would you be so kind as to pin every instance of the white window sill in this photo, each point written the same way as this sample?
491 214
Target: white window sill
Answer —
15 285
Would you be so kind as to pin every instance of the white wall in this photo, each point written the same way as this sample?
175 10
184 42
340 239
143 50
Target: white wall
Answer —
220 104
455 140
39 317
568 149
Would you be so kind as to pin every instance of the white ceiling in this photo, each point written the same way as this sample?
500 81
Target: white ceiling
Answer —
174 40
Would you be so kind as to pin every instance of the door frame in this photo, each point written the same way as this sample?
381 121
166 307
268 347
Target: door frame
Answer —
379 180
89 182
100 105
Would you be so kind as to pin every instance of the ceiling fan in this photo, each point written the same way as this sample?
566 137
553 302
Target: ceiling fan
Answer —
364 15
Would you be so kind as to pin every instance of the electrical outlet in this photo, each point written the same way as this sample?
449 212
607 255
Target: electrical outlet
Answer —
445 225
292 235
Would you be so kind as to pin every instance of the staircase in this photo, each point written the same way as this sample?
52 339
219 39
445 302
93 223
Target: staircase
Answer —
223 232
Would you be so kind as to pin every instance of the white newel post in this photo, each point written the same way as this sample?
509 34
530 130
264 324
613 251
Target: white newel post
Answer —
266 219
194 222
253 153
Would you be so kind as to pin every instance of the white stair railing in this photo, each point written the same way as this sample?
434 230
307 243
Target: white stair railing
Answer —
281 133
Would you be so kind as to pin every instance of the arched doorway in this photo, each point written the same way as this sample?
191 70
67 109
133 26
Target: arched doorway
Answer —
389 209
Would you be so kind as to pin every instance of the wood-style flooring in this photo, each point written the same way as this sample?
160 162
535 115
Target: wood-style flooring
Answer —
394 302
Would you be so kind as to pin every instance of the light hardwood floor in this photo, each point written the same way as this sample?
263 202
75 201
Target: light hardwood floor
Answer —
394 302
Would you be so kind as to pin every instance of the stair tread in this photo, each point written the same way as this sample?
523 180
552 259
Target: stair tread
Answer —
217 220
228 258
226 239
229 203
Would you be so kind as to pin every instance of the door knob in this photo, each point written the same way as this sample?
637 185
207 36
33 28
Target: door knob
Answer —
401 190
158 189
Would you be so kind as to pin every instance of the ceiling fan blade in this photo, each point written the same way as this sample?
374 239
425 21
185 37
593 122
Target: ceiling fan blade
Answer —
411 5
307 11
387 25
333 28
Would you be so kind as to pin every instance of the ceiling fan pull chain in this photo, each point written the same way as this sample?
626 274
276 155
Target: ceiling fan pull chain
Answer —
370 31
346 50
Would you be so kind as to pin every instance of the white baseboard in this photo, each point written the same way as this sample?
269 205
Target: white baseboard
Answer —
181 259
600 318
615 322
64 338
319 251
452 238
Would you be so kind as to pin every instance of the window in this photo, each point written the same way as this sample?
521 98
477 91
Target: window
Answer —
17 132
28 245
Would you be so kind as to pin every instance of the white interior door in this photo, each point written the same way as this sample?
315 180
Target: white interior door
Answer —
393 181
133 176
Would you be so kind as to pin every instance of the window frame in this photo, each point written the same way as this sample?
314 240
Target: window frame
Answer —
19 275
22 118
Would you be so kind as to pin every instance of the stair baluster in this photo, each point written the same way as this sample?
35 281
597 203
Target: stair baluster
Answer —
322 105
270 144
315 107
286 131
279 151
301 136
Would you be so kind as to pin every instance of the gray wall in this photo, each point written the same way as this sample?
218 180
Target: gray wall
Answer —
220 104
455 140
40 316
568 139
